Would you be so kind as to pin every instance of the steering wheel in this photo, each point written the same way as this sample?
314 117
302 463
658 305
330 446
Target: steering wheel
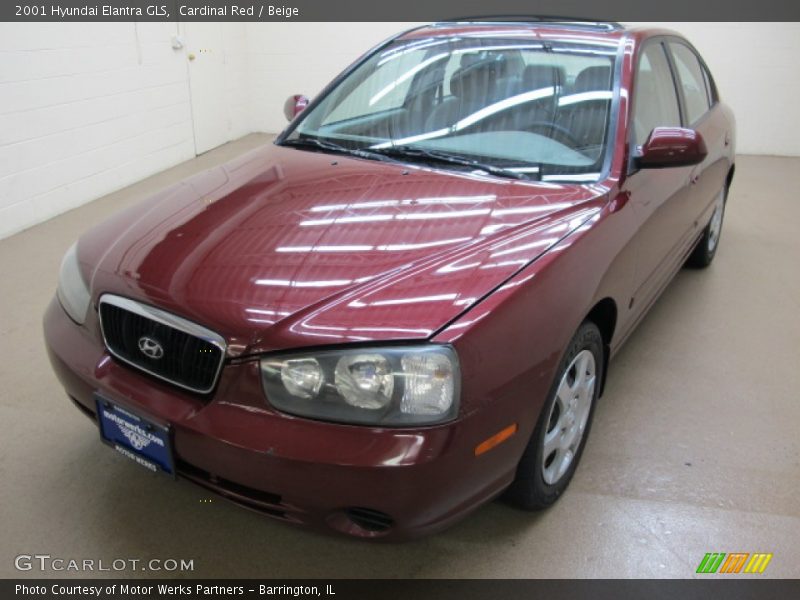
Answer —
563 132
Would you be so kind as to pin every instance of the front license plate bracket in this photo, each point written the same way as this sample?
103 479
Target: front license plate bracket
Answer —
147 443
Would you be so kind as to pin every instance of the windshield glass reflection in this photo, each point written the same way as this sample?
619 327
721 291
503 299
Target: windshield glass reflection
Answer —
514 107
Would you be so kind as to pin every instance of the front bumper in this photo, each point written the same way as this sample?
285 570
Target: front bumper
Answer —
363 481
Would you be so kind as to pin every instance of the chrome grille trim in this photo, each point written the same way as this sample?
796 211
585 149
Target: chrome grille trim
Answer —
170 320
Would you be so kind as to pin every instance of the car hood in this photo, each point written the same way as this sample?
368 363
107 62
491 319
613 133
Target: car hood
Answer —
284 248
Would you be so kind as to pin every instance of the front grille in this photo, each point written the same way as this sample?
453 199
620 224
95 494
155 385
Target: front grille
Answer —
162 344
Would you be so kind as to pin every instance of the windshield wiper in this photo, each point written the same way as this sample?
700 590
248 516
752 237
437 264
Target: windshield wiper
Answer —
406 152
438 156
312 142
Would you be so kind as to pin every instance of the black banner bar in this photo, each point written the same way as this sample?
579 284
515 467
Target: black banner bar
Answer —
376 10
730 588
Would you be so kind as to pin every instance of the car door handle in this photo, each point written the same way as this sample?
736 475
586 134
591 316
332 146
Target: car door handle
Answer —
695 176
727 139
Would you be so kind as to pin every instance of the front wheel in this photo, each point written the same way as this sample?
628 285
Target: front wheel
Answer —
706 248
555 448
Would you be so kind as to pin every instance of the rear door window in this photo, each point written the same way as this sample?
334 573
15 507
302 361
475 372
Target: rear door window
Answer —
691 81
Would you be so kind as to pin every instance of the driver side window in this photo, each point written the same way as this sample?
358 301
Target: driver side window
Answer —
655 103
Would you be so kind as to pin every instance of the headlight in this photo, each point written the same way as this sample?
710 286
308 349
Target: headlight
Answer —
415 385
73 293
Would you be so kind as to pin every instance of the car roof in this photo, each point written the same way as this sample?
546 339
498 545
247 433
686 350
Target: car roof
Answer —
521 26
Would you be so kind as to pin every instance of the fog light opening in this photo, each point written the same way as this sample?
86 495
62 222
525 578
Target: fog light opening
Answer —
369 519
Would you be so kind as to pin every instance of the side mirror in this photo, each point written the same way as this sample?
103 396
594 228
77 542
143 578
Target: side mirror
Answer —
294 105
671 147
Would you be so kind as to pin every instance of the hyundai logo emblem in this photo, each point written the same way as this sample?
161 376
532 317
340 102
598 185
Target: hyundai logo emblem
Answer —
150 347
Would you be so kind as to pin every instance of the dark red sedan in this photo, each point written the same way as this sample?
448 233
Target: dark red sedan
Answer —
406 306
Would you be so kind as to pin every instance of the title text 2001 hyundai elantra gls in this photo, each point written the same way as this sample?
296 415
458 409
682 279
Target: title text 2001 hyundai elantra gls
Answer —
406 305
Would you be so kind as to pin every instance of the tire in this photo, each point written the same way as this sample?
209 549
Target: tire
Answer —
541 478
706 248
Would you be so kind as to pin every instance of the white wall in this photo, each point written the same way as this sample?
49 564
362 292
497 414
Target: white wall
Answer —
88 108
237 81
85 109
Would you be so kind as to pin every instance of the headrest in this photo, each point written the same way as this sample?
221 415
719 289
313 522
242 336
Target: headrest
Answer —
535 77
593 79
476 77
470 58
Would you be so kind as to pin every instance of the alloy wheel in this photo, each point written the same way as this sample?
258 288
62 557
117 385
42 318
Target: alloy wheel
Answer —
715 226
568 416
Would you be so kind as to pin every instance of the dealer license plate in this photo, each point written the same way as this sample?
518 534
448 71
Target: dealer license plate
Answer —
143 441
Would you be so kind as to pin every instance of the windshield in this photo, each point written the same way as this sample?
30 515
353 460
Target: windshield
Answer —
520 106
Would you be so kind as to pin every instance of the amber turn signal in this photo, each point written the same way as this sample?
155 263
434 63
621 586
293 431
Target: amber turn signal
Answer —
496 439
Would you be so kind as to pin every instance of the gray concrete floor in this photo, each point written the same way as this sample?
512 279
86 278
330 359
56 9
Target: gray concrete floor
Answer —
695 446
